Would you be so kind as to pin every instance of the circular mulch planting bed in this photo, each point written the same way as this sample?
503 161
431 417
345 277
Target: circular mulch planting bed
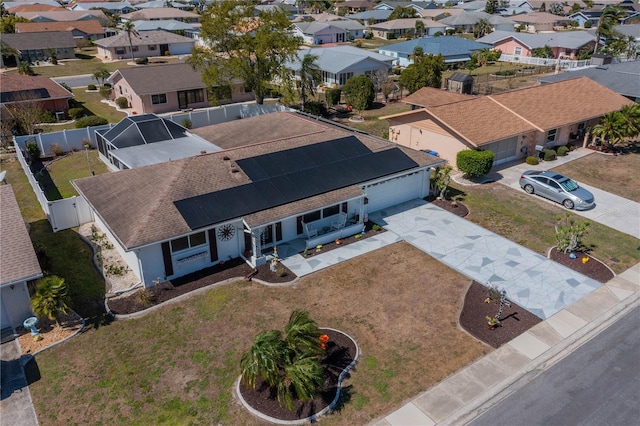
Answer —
457 208
593 268
234 268
340 353
515 319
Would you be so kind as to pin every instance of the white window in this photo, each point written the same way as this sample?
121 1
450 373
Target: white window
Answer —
517 51
159 99
551 135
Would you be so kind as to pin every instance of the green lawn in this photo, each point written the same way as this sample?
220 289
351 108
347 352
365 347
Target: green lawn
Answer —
92 101
63 170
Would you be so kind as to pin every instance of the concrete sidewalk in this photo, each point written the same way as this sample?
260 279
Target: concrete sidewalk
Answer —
466 394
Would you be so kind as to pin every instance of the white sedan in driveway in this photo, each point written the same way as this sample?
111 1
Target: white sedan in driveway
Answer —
558 188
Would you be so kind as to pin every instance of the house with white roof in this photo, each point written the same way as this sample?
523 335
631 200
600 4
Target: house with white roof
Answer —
406 28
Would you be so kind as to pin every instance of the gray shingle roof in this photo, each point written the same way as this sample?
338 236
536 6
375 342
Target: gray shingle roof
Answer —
445 45
18 260
338 58
143 39
44 40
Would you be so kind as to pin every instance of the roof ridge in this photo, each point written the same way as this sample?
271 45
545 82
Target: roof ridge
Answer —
515 113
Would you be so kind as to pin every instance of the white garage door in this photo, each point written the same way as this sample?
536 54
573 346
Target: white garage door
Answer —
394 191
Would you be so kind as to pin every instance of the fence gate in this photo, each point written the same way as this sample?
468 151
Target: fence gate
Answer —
69 213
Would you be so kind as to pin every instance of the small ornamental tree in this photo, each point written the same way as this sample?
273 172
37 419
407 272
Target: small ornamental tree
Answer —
332 96
441 181
359 92
474 163
51 299
569 233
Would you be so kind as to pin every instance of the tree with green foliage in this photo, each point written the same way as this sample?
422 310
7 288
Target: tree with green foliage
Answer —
611 128
419 28
401 12
543 7
611 16
575 8
441 181
482 28
359 93
6 50
569 233
588 3
542 52
240 42
310 75
289 363
100 75
51 299
8 23
557 9
475 163
130 29
425 71
25 69
491 7
631 117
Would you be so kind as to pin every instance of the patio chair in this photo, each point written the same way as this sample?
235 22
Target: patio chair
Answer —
340 222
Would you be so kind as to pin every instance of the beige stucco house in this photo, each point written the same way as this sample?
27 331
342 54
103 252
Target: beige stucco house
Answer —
145 44
513 125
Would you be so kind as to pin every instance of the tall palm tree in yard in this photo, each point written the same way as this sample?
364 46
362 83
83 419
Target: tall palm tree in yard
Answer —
611 128
130 28
611 16
419 28
288 363
51 299
310 75
631 117
482 28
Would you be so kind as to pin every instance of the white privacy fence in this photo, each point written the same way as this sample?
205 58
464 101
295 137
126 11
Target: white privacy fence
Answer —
71 212
528 60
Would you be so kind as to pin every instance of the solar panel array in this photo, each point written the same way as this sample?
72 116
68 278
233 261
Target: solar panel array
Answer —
286 176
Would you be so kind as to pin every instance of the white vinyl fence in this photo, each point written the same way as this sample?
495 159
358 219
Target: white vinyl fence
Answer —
74 211
564 63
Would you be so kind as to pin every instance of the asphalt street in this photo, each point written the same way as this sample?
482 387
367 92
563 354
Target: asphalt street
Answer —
598 384
77 80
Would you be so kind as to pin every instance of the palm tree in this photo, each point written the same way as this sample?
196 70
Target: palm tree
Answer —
288 363
6 50
25 69
482 28
631 117
611 16
309 76
611 128
100 75
130 28
419 28
51 299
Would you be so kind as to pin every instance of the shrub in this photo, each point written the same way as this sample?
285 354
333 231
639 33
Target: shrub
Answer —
76 113
107 84
548 155
57 149
315 108
186 123
142 61
532 160
105 92
122 102
562 150
333 96
91 87
33 150
92 120
48 117
569 233
588 24
474 163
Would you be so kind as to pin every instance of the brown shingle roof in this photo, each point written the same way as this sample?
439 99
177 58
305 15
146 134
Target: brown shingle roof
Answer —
34 8
430 96
18 260
174 77
88 27
16 87
558 104
145 212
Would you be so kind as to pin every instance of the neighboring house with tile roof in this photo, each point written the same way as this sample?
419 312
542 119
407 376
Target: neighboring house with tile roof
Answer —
18 262
171 87
85 30
454 49
512 124
281 177
112 7
157 14
33 8
48 95
35 47
65 15
563 44
405 28
536 22
145 44
338 64
623 78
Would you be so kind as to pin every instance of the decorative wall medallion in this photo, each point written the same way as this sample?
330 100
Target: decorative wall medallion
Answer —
226 232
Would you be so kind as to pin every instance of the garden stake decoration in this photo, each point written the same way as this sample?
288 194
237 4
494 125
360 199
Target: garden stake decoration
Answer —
503 301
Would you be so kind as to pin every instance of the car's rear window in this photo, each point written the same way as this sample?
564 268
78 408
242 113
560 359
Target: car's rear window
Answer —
569 185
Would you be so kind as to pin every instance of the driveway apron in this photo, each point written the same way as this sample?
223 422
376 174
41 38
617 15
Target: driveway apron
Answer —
531 280
16 407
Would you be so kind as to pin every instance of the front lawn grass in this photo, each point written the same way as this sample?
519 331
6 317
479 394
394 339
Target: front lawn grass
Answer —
178 364
615 174
372 124
72 166
92 102
528 221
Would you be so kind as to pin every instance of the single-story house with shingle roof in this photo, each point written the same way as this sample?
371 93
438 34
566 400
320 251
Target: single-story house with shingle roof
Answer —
374 16
337 64
512 124
18 262
37 7
405 27
47 94
110 6
285 178
566 44
454 49
65 15
170 25
536 22
156 14
172 87
145 44
38 46
467 20
320 32
85 30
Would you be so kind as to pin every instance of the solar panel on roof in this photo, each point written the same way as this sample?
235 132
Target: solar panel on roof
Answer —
272 187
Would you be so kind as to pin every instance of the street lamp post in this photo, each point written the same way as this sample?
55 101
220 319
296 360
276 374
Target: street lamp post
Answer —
86 150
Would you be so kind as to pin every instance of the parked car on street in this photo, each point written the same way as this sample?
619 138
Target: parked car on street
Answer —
558 188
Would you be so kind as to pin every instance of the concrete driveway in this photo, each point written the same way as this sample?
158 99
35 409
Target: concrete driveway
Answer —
611 210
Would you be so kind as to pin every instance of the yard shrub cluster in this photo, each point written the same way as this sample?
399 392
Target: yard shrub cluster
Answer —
474 163
91 87
562 150
105 91
122 102
548 154
92 120
57 150
76 113
569 233
142 61
333 96
186 123
532 160
33 150
316 108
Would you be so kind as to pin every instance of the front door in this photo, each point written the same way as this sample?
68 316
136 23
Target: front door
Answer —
182 100
164 48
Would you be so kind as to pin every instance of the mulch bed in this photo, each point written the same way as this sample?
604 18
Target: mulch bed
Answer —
459 209
340 353
163 292
368 233
593 269
515 319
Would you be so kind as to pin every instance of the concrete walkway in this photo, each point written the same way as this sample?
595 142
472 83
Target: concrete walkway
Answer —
16 407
